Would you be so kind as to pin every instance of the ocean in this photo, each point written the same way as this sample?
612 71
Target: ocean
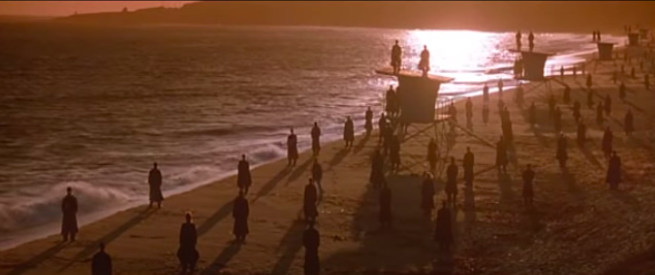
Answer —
93 107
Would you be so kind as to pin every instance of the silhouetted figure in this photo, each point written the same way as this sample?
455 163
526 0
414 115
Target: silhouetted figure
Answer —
427 194
244 179
532 114
608 105
424 62
187 253
382 127
396 57
387 140
561 71
622 93
575 71
292 148
394 148
485 114
581 133
562 154
452 111
608 138
566 96
101 262
506 124
468 163
589 81
528 190
557 119
309 201
576 111
443 231
599 114
485 94
377 173
432 154
531 41
501 155
469 109
500 88
628 123
311 240
385 206
155 182
316 139
518 40
69 219
519 94
451 182
590 98
551 105
349 132
368 125
317 173
240 213
614 171
391 102
598 36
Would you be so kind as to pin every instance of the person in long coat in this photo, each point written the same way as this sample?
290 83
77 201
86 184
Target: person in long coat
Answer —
468 163
614 171
469 109
608 137
451 183
427 194
101 262
394 150
317 173
528 190
382 128
349 132
316 139
432 154
391 101
292 148
368 124
386 216
561 154
244 179
311 240
443 232
501 155
309 201
69 219
155 183
187 252
628 124
240 212
377 173
424 62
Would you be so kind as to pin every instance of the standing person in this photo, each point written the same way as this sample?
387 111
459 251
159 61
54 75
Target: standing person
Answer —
292 148
396 57
349 132
528 190
622 93
501 155
424 62
244 179
589 82
311 241
316 142
240 213
566 96
368 125
386 216
628 124
187 252
451 183
382 128
394 148
561 154
531 40
500 88
155 183
317 174
309 201
432 154
443 232
518 40
469 162
391 101
101 262
485 94
469 109
69 220
427 194
614 171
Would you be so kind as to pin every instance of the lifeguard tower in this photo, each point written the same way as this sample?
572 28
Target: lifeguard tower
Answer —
419 106
533 67
605 53
633 39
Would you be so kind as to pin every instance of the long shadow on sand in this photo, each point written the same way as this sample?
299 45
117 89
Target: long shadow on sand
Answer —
299 170
111 236
338 157
507 194
38 259
291 244
270 185
218 216
221 261
361 144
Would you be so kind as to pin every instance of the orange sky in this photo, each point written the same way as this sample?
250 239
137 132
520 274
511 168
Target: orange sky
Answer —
59 8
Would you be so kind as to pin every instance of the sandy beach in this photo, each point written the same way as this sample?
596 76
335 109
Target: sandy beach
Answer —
577 225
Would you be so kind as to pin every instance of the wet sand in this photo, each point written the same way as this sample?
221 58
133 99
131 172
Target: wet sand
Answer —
577 225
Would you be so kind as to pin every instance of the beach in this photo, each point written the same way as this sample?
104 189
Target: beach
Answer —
577 225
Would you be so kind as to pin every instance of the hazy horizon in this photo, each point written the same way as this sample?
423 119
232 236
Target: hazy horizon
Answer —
65 8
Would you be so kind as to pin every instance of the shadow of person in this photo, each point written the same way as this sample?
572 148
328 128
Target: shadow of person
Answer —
298 171
338 157
218 216
270 185
291 243
223 258
444 263
361 144
38 259
505 185
469 206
